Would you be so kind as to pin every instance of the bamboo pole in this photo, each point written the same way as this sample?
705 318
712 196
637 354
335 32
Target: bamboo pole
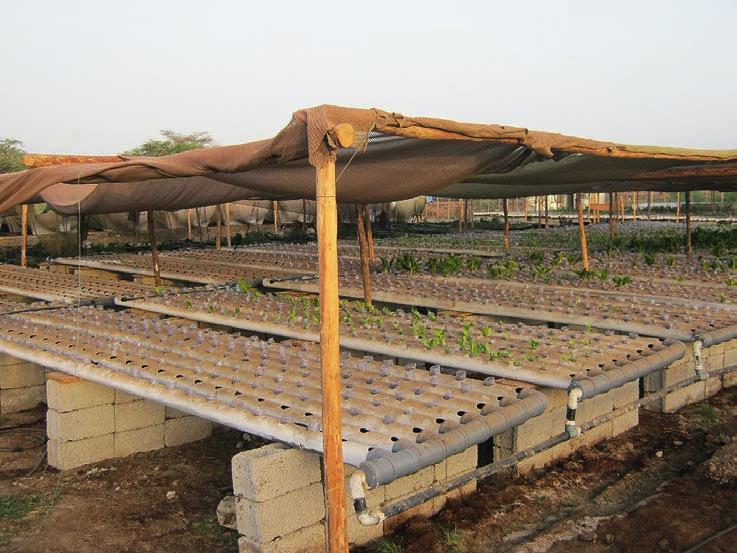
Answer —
154 247
218 227
688 224
228 236
189 224
612 217
505 208
678 206
327 246
275 205
363 248
369 233
582 232
24 235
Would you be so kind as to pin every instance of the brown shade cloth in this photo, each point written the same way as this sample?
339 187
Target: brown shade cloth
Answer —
408 157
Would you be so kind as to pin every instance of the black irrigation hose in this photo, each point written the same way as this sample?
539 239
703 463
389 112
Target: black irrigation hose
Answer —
710 539
487 470
39 433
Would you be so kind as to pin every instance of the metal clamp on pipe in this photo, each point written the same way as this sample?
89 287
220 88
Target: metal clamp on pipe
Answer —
574 394
698 345
358 488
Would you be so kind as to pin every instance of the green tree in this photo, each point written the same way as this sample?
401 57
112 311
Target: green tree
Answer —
11 155
172 143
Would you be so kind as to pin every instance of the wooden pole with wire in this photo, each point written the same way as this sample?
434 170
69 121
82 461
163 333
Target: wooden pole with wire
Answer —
189 224
275 205
327 246
154 247
369 233
505 208
612 217
678 207
24 235
218 227
689 248
582 232
547 212
228 234
363 249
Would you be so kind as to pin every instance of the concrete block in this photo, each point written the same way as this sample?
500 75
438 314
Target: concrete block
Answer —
407 484
539 429
171 413
685 396
21 375
624 422
264 521
713 357
312 539
545 458
70 455
21 399
712 386
185 430
730 353
729 379
7 359
680 370
69 393
97 273
138 440
138 414
273 470
594 407
425 510
123 397
80 424
625 395
458 464
454 495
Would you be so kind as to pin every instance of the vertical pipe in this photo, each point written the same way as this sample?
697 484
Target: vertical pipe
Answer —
678 206
363 248
154 247
612 220
189 224
688 224
24 235
505 208
228 237
369 233
582 232
218 227
327 245
275 205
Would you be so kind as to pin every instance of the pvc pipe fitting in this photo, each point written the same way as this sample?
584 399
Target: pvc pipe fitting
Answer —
574 394
357 485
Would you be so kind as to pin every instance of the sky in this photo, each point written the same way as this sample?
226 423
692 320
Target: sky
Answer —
100 77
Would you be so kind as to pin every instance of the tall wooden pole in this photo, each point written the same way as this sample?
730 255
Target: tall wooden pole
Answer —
505 208
189 224
635 196
275 205
304 216
678 206
218 227
612 217
154 247
461 209
582 232
327 247
369 233
649 204
228 237
363 248
547 212
24 235
688 224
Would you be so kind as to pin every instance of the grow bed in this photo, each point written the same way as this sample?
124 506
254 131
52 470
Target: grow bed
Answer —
596 362
198 271
48 286
649 316
266 388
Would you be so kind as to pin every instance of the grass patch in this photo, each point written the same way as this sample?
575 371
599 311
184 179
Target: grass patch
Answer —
211 530
385 545
15 507
451 538
707 413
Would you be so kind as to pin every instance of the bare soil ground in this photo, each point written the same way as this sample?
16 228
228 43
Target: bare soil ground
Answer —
654 488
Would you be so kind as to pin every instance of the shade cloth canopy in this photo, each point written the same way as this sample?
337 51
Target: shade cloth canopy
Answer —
394 157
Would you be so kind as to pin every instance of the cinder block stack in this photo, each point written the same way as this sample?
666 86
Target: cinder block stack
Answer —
21 384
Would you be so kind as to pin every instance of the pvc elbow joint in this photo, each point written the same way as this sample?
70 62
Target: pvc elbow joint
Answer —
358 487
574 394
698 365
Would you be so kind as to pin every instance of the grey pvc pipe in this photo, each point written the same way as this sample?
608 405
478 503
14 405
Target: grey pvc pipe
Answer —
383 467
717 336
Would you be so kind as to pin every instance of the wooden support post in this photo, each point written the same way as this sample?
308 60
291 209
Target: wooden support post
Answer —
460 215
369 233
582 232
304 216
525 207
688 224
228 234
505 208
218 227
635 198
612 217
332 435
363 248
189 224
649 204
678 207
275 205
24 235
547 212
154 247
